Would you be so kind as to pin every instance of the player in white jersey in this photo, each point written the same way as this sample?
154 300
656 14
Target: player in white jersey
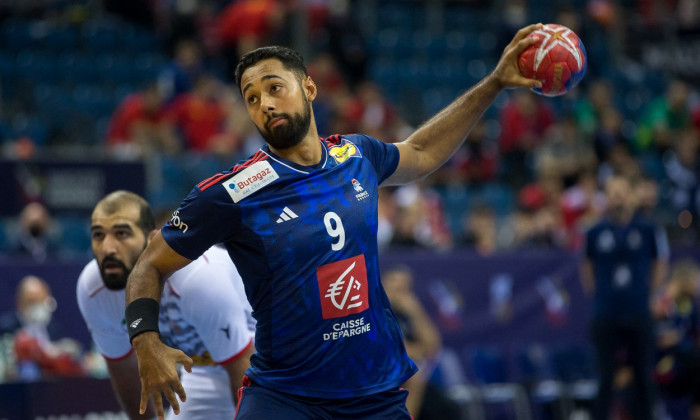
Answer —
204 313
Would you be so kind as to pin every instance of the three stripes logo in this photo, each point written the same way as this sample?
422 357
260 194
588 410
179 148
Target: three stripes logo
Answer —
286 214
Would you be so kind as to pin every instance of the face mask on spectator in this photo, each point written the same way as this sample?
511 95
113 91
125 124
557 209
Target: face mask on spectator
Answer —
40 313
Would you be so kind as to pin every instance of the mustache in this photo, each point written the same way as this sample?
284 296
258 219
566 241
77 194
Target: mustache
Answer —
275 115
106 260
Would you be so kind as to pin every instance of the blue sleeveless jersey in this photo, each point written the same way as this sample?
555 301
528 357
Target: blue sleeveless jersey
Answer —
304 239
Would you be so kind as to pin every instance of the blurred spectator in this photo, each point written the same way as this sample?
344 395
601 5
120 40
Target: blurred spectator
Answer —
199 116
620 162
371 113
664 118
386 210
39 347
598 118
420 218
625 261
537 222
425 401
682 170
332 93
677 370
514 15
476 162
565 153
647 192
524 120
34 237
181 73
341 37
608 133
582 205
688 12
244 25
138 127
480 231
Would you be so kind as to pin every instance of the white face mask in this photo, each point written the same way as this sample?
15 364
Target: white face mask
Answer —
39 314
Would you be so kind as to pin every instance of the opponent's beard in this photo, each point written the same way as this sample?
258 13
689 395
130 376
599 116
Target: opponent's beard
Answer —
289 134
117 281
114 281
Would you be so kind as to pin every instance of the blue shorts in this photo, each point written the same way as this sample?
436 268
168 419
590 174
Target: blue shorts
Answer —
259 403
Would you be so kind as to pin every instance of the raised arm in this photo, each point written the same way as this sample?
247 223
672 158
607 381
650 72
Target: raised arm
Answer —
435 141
157 362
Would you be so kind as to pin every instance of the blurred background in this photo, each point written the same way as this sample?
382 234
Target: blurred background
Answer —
100 95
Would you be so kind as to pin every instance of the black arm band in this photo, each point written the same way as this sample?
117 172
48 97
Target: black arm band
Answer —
142 316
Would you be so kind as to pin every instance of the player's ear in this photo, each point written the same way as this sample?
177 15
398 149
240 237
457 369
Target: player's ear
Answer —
309 88
151 234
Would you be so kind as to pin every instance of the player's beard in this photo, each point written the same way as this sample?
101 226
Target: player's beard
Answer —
292 132
116 281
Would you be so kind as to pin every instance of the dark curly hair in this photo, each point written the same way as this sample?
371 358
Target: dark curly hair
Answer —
290 59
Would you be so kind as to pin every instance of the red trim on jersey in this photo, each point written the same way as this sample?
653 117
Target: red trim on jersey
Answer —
97 291
116 359
257 157
172 290
239 394
333 140
211 181
237 355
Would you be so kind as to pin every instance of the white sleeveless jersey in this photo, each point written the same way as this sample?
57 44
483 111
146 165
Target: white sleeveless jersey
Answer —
204 311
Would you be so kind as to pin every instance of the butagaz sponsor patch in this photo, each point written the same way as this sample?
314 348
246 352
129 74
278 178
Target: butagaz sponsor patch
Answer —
250 180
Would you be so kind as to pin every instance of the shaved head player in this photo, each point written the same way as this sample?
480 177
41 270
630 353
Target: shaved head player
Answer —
299 219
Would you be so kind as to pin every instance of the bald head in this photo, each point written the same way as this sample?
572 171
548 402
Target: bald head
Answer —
118 200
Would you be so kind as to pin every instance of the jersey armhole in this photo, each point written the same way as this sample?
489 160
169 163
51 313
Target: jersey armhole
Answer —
120 358
237 355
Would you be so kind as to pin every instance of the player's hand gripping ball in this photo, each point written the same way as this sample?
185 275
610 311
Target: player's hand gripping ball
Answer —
558 60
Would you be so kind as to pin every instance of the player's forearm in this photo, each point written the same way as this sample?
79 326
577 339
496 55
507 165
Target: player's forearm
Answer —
438 138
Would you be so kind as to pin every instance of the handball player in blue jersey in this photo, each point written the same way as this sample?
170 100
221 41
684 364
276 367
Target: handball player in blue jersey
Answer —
299 220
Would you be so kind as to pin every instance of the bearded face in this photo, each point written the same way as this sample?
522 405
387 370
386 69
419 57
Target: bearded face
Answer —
115 271
289 133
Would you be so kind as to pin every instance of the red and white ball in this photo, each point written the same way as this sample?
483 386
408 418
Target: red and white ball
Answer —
558 60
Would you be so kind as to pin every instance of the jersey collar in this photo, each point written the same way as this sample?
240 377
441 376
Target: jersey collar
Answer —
295 166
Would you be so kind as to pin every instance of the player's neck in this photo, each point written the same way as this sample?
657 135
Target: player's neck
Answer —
308 152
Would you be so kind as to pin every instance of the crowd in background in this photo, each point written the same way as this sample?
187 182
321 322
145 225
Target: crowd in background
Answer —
530 174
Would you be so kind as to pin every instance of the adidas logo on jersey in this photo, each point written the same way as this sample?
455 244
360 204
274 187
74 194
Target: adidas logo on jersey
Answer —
286 214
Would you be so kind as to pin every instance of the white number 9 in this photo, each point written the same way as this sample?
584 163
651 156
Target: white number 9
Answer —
335 229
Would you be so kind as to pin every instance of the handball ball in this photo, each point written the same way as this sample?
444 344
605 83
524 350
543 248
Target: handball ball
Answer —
558 60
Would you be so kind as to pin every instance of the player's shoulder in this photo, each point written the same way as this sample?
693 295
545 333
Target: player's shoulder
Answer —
340 139
343 147
242 179
90 282
214 266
